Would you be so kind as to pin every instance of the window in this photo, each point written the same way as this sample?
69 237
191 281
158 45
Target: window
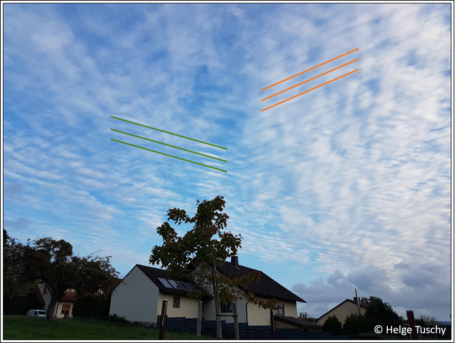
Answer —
176 302
280 311
65 309
226 308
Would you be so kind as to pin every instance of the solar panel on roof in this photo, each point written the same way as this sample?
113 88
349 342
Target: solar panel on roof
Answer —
175 284
165 282
191 286
184 286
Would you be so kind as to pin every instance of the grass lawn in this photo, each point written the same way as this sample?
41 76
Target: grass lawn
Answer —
32 328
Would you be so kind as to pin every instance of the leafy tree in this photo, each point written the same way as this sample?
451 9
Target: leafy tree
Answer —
381 311
201 250
333 325
428 320
356 324
15 283
53 262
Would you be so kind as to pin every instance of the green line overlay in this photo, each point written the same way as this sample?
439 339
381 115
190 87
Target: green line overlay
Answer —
198 153
179 158
192 139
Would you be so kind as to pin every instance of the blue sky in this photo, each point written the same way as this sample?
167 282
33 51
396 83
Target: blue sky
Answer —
344 187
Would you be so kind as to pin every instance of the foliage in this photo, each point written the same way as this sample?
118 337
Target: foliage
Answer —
15 283
381 311
119 320
355 324
201 250
333 325
428 320
14 305
22 328
54 263
92 307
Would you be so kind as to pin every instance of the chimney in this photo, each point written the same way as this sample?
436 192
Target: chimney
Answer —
235 261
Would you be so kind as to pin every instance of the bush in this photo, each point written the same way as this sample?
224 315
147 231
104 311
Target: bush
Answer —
119 320
355 325
13 305
333 325
92 307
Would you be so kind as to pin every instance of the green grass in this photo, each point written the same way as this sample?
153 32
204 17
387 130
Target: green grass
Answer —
32 328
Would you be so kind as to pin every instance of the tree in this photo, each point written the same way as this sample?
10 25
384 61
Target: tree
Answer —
197 254
333 325
381 311
428 319
53 263
15 283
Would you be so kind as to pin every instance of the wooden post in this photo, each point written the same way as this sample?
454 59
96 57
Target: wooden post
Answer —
236 324
199 320
163 319
272 323
411 323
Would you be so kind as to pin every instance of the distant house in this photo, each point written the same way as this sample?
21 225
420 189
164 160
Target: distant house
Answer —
64 307
140 296
341 311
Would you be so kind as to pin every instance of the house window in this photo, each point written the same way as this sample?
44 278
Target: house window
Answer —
65 310
176 302
225 308
280 311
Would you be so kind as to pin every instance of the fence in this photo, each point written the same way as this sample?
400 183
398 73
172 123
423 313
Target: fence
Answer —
246 332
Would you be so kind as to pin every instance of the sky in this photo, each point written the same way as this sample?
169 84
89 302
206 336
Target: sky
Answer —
345 187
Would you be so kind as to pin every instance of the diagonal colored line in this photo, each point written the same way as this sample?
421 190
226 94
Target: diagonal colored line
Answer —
151 140
295 96
174 134
319 65
179 158
313 78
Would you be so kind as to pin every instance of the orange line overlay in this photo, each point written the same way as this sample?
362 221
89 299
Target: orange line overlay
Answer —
313 78
295 96
277 83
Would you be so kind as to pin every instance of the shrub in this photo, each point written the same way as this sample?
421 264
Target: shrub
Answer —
355 325
92 307
119 320
333 325
13 305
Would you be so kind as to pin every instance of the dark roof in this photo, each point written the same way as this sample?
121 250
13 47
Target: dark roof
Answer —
298 322
154 273
265 287
111 287
69 296
354 302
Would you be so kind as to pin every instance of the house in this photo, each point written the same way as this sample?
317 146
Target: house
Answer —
344 309
139 298
64 307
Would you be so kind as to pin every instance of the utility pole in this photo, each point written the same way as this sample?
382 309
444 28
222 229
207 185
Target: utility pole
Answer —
358 302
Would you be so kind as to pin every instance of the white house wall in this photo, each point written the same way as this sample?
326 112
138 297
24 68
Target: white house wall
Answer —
209 311
260 316
136 298
188 307
59 307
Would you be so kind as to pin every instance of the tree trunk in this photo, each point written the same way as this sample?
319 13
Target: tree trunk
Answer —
217 306
51 307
